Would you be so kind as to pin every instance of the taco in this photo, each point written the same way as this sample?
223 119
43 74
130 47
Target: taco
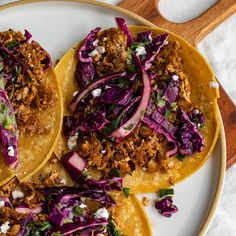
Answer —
30 103
51 203
138 102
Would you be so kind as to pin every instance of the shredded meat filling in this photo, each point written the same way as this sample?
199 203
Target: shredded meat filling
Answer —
30 91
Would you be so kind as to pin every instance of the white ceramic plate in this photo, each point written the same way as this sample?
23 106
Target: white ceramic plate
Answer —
57 25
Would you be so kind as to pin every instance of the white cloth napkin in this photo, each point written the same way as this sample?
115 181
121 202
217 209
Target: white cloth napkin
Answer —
219 47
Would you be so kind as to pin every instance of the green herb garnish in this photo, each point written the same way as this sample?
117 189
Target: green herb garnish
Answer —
1 66
11 44
165 192
57 234
168 114
114 172
18 71
173 104
180 157
126 191
161 103
111 228
78 210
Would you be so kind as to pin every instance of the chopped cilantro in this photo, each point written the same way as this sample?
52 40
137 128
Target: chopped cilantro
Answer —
161 103
11 44
173 104
114 172
1 66
111 108
30 79
126 191
111 228
18 71
112 126
131 67
57 234
180 157
78 210
165 192
168 114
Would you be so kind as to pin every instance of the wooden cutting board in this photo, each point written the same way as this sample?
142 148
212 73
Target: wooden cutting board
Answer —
193 31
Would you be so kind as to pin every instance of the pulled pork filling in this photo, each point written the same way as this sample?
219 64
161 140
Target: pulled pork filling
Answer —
156 137
26 84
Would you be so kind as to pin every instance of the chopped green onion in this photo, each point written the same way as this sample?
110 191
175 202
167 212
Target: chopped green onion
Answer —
126 191
1 66
11 44
18 71
114 172
161 102
173 104
111 228
159 72
168 114
78 210
165 192
180 157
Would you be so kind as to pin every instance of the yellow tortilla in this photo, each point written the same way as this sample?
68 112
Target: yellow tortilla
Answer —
35 151
199 75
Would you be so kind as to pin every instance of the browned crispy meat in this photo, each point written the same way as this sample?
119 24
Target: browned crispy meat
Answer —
142 147
114 58
32 197
170 62
29 92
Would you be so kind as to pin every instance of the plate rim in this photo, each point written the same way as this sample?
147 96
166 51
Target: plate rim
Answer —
208 219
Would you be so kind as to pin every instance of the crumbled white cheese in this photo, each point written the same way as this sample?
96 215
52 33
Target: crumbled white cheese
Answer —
103 151
214 84
102 213
175 77
96 92
107 87
166 42
93 53
140 51
63 181
82 205
100 49
75 93
2 204
10 151
105 39
5 227
17 194
72 141
95 42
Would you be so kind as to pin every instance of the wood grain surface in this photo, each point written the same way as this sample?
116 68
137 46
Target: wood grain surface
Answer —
193 31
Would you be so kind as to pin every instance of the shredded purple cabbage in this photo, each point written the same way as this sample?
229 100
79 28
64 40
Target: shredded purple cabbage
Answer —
156 127
27 35
24 229
144 37
166 207
171 93
123 27
88 46
154 48
190 139
116 95
8 131
67 229
70 125
92 121
84 73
